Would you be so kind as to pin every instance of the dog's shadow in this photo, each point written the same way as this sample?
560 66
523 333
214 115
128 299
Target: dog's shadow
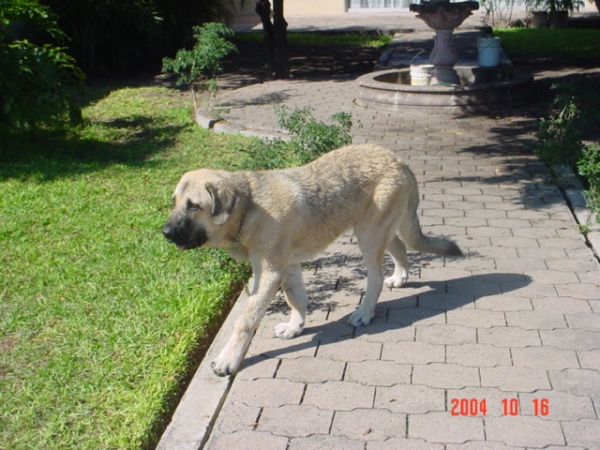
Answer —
416 301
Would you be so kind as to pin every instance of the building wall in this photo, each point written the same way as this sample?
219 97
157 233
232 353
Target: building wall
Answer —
299 7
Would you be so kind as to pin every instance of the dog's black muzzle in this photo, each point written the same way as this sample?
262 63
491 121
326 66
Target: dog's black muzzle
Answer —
180 230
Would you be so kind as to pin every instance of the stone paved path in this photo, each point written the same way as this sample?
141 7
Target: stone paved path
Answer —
497 350
516 320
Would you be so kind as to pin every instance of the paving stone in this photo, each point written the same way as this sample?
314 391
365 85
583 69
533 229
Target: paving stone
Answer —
544 358
552 276
369 424
562 243
451 376
409 399
531 290
378 373
561 305
239 417
446 334
248 440
508 337
311 370
561 405
476 318
579 291
576 381
524 431
483 446
303 345
416 316
295 420
534 320
324 442
477 355
258 367
413 352
515 242
574 265
512 223
404 444
386 332
350 350
503 303
267 392
590 359
542 254
339 396
443 428
514 379
466 289
584 433
571 339
521 264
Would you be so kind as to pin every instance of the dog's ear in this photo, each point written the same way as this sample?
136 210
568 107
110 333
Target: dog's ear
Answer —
223 199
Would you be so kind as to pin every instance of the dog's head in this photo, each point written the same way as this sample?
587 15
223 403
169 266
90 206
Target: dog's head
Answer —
203 203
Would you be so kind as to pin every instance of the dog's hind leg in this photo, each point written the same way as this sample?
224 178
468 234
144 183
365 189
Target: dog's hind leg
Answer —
372 246
397 251
295 295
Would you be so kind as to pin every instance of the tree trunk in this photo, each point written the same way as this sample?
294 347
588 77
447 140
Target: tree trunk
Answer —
275 35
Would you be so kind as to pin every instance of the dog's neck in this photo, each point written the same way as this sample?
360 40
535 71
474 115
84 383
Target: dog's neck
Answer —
236 246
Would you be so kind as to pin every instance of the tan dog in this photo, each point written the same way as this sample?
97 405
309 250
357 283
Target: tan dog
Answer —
278 219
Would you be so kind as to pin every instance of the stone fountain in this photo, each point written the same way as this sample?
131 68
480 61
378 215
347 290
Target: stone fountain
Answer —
444 17
464 88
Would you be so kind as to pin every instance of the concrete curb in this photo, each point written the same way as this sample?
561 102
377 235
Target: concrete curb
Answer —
206 120
197 411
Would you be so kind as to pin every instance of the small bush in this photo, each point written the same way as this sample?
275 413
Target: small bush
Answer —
204 60
589 167
559 136
310 139
35 79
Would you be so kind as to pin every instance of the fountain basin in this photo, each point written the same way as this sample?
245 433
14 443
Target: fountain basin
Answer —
480 90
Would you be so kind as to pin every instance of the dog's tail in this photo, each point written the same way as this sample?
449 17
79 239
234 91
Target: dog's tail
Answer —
413 237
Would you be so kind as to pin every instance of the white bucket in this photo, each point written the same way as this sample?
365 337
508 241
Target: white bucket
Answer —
488 51
420 75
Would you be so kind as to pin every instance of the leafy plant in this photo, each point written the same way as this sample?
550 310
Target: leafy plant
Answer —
589 167
559 136
35 79
204 59
311 137
309 140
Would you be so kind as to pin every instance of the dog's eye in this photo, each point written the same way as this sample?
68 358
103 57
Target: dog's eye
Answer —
193 206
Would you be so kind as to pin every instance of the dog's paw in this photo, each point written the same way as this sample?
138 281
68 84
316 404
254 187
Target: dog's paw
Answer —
287 330
395 281
359 318
222 367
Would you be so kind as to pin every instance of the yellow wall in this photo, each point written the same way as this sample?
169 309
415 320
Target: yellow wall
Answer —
300 7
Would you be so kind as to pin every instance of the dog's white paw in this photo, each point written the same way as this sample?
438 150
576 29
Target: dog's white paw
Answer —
360 318
396 281
223 366
287 330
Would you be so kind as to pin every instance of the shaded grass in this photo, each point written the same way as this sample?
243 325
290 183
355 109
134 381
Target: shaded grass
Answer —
546 42
98 314
324 39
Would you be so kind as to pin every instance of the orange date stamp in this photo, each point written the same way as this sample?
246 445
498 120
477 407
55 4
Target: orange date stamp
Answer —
510 407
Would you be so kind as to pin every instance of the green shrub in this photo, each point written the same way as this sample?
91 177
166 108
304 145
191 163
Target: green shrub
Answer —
589 167
204 59
36 80
309 140
559 136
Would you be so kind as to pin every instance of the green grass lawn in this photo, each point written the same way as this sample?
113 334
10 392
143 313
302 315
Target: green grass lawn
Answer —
576 43
98 313
324 39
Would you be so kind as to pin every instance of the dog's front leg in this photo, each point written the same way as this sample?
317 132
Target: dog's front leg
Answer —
267 281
